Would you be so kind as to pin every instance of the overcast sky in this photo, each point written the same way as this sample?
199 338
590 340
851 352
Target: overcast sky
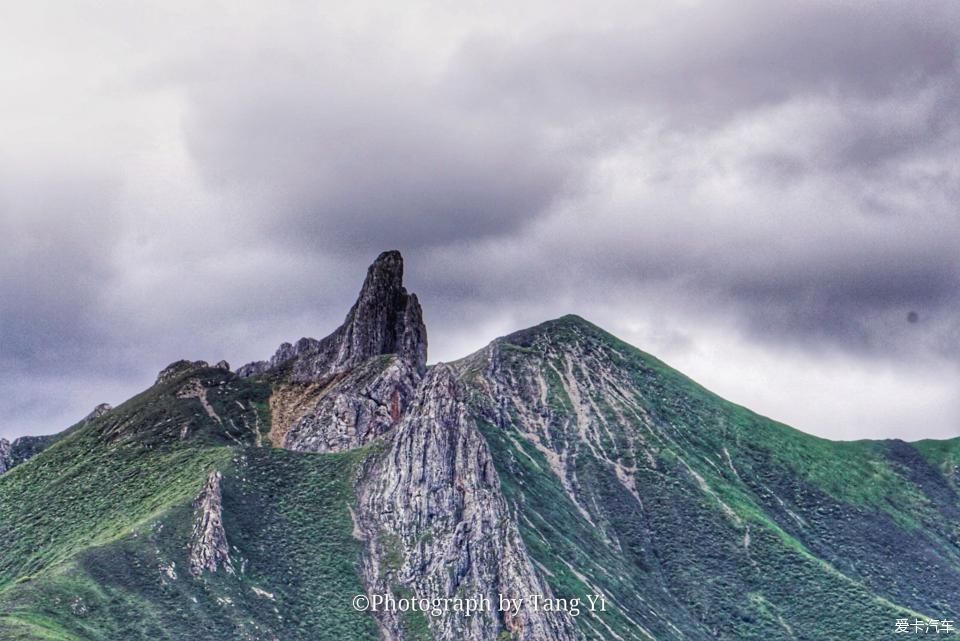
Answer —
762 194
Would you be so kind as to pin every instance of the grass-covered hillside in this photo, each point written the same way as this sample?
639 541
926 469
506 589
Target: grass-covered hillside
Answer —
93 531
699 518
695 518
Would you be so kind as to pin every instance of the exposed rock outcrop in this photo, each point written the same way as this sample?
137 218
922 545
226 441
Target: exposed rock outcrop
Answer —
350 411
6 460
436 524
178 368
352 386
194 388
22 449
26 447
384 320
209 549
100 410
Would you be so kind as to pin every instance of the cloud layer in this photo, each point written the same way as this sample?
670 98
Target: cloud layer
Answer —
763 196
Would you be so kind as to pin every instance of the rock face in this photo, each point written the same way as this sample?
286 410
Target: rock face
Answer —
352 386
577 368
384 320
436 524
350 411
26 447
100 410
557 461
6 460
177 368
430 510
209 549
23 449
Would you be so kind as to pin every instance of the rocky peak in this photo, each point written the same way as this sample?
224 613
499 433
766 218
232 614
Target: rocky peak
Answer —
385 319
21 449
98 411
178 368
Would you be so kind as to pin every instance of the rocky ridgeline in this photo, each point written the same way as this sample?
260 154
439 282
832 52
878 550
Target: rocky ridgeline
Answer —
432 504
178 368
557 459
384 320
431 511
100 410
344 390
26 447
518 388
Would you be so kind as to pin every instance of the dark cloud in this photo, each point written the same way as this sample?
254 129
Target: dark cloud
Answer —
730 185
349 156
58 232
712 60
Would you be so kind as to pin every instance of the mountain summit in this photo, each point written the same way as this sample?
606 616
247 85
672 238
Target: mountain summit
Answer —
385 319
555 465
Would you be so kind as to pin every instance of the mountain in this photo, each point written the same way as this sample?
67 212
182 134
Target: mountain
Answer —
558 461
21 449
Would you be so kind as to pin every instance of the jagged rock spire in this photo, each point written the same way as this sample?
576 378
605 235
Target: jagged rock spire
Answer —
385 319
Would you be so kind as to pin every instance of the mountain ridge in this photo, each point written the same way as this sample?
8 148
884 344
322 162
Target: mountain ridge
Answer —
556 460
384 319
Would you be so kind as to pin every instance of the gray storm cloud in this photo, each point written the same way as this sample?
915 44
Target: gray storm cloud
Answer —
751 191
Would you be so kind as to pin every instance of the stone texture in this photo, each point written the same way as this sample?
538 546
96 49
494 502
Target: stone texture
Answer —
350 411
100 410
435 523
209 549
177 368
22 449
384 320
354 385
6 458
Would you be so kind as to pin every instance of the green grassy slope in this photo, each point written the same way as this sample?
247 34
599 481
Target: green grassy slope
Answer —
739 527
94 531
696 518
